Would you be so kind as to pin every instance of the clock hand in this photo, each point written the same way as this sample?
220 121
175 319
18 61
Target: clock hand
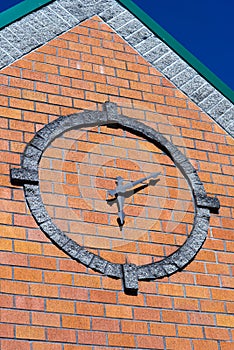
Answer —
123 188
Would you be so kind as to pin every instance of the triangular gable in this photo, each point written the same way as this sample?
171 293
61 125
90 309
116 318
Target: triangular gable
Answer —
39 27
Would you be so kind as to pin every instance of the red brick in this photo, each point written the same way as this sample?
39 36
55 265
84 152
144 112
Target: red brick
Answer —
105 324
10 344
45 319
61 335
150 342
205 344
29 303
98 338
121 340
76 322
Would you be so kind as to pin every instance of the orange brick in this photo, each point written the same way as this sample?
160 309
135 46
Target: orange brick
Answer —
11 344
76 322
159 301
90 309
61 335
103 296
45 319
205 344
44 290
28 247
175 343
24 274
121 340
118 311
44 346
190 331
201 318
226 345
98 338
174 316
186 304
29 303
29 332
58 306
146 314
150 342
217 333
170 289
134 327
225 320
6 331
162 329
57 277
105 324
73 293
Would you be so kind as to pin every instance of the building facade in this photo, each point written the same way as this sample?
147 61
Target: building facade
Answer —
75 69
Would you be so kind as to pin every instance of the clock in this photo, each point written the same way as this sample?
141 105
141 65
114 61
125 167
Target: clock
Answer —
116 197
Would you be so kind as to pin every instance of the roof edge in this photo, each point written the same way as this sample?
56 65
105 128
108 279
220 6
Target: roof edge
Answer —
179 49
20 10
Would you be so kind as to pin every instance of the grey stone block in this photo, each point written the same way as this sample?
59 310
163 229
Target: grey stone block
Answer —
5 59
31 190
156 53
56 235
144 273
32 152
211 101
85 256
184 76
121 20
98 264
175 68
29 163
226 120
111 13
157 270
183 256
39 143
193 85
19 38
166 61
72 249
148 44
208 202
60 23
111 109
114 270
138 36
40 215
130 278
169 266
62 12
8 48
130 28
34 202
77 9
22 176
222 107
203 92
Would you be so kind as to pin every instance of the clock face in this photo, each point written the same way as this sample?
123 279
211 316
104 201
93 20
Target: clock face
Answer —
115 195
81 165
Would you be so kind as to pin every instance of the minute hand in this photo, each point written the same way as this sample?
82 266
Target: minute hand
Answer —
130 185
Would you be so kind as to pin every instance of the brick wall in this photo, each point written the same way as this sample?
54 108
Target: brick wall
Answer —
50 301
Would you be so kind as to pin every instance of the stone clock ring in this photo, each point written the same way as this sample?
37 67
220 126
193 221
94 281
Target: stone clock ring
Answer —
27 176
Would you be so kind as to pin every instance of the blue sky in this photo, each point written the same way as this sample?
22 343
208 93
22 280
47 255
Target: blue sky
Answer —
204 27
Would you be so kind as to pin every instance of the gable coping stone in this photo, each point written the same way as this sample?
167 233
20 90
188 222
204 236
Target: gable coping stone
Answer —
45 24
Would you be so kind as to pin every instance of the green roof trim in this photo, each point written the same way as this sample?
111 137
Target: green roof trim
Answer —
27 6
179 49
23 8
